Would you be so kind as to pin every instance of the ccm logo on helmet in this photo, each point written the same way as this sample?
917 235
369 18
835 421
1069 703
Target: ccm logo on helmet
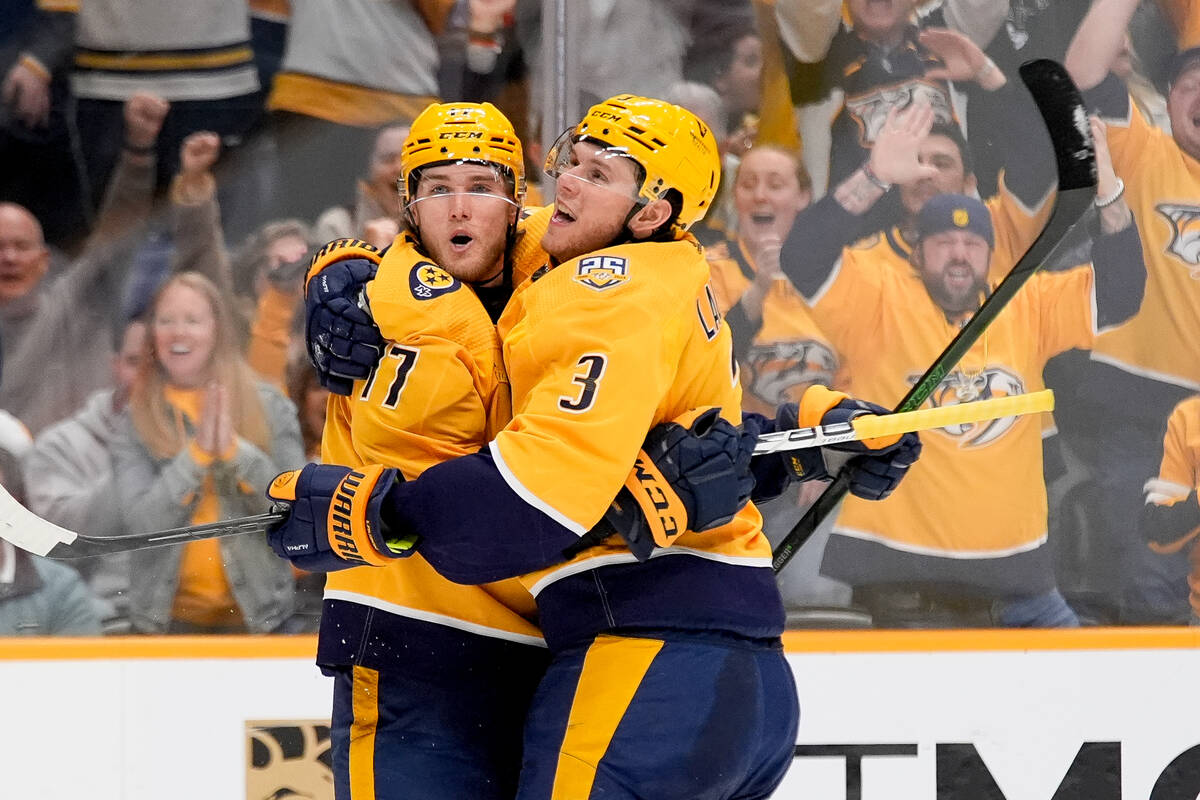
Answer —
460 135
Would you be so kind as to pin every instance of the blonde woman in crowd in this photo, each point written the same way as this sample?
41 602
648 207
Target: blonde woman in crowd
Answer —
202 440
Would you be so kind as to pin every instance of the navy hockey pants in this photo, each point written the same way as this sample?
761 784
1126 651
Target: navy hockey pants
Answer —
665 716
397 737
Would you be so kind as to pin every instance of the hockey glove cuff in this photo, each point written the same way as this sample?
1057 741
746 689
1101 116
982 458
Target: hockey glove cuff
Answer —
334 518
876 465
344 343
692 473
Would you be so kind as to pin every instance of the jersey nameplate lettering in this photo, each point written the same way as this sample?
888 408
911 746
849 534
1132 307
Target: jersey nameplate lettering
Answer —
427 280
602 272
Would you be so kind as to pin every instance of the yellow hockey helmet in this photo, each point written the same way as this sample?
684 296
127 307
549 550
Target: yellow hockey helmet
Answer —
473 132
675 149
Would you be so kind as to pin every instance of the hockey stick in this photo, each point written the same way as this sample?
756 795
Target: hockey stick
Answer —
1062 110
868 426
23 528
28 531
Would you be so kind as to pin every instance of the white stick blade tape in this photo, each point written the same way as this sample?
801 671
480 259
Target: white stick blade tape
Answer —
28 531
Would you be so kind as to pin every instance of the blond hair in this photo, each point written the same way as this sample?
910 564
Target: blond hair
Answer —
155 421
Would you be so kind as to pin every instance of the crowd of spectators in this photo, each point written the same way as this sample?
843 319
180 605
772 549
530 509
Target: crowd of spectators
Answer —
167 167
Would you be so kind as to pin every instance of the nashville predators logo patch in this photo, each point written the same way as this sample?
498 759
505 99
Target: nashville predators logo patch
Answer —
602 272
427 280
779 370
960 387
869 111
1185 234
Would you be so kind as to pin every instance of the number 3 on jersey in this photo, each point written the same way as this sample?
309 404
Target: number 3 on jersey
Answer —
591 370
403 359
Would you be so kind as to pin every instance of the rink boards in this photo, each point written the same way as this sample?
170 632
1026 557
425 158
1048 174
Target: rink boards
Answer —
1098 713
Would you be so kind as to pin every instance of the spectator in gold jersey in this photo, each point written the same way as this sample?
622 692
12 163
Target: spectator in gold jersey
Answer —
1155 357
780 349
952 548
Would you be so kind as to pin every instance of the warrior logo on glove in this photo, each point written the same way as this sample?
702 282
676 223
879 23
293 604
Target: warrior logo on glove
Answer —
335 518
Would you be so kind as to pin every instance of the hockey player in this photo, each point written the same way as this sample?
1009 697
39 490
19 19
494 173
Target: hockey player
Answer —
431 678
666 663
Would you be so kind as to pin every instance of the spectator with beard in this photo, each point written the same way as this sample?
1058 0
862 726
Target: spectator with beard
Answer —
950 548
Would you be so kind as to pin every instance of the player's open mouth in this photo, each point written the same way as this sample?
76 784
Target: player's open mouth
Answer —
561 217
762 218
180 349
461 240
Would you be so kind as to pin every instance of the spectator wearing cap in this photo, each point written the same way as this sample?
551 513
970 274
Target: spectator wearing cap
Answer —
966 536
922 157
1155 357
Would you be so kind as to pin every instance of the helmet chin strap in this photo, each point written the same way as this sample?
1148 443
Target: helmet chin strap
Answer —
625 235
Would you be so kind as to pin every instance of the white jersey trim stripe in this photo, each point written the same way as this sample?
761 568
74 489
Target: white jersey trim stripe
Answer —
628 558
965 555
184 86
529 497
1159 491
1142 372
429 616
833 276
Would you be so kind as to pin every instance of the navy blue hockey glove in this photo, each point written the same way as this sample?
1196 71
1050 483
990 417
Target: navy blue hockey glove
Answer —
876 465
692 473
344 343
334 518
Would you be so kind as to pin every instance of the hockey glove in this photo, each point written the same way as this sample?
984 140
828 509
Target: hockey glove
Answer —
344 343
876 465
334 518
692 473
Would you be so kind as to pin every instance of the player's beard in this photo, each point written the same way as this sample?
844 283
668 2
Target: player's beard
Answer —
483 262
576 239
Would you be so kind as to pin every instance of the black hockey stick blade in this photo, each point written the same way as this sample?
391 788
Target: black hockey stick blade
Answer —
1065 115
21 527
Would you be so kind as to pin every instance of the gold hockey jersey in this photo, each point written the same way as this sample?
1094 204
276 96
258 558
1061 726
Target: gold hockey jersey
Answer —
788 353
1162 187
598 351
977 493
438 392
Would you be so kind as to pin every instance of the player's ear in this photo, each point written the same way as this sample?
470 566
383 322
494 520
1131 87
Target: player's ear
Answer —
652 216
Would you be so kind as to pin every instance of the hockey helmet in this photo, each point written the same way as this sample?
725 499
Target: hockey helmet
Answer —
674 148
467 132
